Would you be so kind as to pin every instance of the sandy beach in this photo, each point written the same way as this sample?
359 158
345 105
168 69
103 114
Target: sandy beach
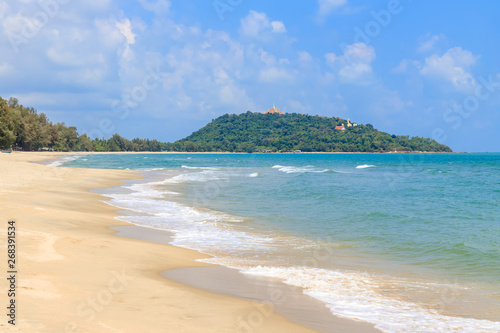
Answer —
75 275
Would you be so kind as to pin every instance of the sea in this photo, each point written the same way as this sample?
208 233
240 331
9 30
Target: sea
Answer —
408 242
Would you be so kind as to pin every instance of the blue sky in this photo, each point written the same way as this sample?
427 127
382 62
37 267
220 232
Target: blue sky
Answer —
162 69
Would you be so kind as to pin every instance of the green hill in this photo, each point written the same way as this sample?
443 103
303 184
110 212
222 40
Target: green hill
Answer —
249 132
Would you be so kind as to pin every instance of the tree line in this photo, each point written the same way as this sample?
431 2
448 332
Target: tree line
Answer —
23 128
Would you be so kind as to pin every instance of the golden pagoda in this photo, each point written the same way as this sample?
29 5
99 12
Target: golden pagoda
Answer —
274 110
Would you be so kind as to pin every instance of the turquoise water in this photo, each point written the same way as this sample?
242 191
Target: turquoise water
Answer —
400 240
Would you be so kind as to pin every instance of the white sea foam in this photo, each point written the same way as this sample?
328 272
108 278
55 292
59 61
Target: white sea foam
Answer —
204 176
294 169
255 174
364 166
200 168
199 229
65 159
354 295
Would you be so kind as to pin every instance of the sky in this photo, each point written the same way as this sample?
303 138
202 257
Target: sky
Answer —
164 68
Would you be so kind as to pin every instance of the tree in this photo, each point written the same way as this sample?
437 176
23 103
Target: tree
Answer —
7 137
84 143
68 137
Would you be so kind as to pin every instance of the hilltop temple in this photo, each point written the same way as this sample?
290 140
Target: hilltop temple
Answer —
274 110
342 127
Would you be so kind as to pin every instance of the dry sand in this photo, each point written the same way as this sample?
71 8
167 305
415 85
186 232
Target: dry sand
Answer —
74 275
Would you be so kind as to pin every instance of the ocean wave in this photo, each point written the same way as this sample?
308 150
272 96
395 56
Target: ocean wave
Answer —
203 176
193 228
255 174
364 166
63 160
200 168
354 295
304 169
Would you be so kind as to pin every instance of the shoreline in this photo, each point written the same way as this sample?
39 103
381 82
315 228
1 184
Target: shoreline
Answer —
75 277
270 295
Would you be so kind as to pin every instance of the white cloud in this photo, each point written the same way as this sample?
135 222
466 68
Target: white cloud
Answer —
267 58
232 96
284 61
453 66
278 27
354 66
257 25
67 57
275 75
330 59
326 7
359 52
126 30
107 33
430 43
402 67
304 57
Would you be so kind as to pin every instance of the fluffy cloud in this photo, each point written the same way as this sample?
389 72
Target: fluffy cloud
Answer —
453 66
354 66
267 58
257 25
126 30
278 27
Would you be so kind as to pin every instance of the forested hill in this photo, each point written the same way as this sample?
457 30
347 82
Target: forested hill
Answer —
249 132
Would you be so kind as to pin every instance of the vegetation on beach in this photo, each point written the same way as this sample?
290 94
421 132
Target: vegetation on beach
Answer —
23 128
